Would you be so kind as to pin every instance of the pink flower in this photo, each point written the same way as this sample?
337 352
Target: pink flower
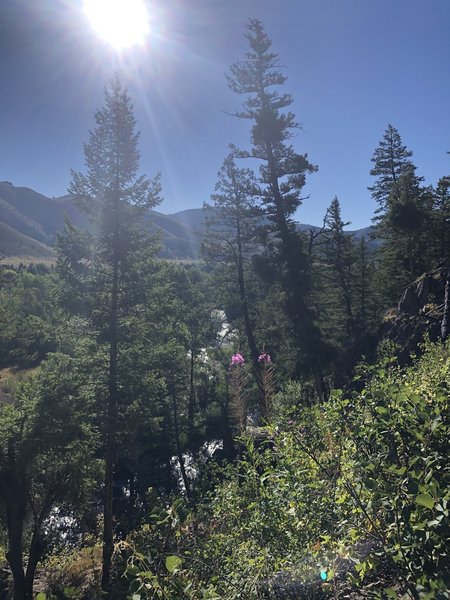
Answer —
237 359
264 358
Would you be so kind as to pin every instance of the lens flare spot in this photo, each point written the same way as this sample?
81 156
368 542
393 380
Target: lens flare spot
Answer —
122 23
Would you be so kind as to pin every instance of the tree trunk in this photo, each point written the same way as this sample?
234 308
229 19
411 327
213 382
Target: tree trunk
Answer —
191 405
33 558
446 316
111 422
15 517
177 441
249 328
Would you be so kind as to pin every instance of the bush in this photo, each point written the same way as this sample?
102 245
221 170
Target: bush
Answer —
353 489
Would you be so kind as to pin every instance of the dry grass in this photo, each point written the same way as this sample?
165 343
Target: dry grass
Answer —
15 261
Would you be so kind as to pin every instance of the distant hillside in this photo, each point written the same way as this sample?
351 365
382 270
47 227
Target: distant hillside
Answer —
34 214
40 218
18 245
179 240
35 217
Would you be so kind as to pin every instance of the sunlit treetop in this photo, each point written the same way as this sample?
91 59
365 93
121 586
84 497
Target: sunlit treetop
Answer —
121 23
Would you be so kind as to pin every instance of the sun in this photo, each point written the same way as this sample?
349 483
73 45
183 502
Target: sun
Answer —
122 23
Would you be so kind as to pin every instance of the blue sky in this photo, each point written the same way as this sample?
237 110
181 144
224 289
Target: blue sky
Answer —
353 66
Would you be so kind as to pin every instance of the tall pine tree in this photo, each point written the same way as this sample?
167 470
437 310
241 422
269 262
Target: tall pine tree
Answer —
403 208
340 259
281 178
114 195
391 160
232 237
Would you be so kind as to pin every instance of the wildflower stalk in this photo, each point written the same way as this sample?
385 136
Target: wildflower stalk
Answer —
266 385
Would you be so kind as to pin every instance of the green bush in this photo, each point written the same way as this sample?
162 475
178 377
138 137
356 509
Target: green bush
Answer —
356 489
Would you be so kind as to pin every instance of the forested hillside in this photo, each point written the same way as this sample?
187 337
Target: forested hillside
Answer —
269 421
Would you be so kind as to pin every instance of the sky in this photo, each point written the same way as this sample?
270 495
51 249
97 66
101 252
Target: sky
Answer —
352 66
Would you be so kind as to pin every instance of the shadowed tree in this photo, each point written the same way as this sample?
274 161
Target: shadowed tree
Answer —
47 461
403 256
403 211
232 239
391 160
282 173
440 220
113 194
340 258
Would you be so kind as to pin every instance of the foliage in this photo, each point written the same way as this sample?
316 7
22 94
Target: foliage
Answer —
73 573
401 432
391 160
282 175
217 484
348 488
28 317
46 462
114 195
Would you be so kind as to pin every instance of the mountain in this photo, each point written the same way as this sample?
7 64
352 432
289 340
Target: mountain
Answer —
40 218
179 239
16 244
34 214
36 218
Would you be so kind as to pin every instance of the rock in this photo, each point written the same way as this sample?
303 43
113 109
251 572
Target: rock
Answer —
419 313
290 586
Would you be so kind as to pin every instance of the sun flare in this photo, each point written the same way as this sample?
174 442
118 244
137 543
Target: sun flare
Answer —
122 23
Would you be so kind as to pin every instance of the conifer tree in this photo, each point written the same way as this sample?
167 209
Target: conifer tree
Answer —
112 193
404 253
281 178
440 220
367 303
403 210
232 236
340 259
391 160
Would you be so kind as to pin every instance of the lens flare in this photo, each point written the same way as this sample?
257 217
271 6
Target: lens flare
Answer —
122 23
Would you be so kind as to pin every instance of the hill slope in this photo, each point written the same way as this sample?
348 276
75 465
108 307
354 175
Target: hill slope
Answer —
39 218
16 244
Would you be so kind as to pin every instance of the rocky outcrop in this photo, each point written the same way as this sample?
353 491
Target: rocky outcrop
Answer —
422 311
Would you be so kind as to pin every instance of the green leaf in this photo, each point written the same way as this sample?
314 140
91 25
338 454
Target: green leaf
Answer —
412 486
41 596
391 593
425 500
173 563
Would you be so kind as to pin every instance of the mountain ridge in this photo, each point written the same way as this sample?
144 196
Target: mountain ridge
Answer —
39 218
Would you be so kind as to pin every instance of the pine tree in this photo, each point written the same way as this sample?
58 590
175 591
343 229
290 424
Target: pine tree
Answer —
440 219
113 194
281 178
404 253
402 214
340 261
232 236
391 160
367 302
